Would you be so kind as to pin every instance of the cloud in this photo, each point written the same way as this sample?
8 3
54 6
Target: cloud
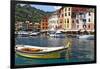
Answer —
57 7
22 4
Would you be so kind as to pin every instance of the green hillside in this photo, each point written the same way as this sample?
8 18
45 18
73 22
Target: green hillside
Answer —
26 12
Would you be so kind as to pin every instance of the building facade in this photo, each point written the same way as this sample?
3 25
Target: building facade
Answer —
61 19
44 24
53 22
67 12
79 18
18 26
36 27
25 25
90 20
30 26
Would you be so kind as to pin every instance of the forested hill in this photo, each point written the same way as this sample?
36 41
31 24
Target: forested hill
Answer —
26 12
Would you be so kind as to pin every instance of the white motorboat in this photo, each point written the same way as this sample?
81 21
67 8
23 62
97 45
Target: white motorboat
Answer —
89 37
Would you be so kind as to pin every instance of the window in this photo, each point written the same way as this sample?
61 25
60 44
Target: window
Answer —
89 14
68 9
73 21
46 20
84 26
65 14
68 13
60 20
46 24
67 20
62 15
89 26
65 9
89 20
77 21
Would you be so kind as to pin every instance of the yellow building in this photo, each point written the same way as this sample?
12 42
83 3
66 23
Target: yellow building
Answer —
67 12
65 20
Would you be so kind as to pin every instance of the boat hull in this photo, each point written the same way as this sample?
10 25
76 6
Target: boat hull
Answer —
45 55
58 54
42 56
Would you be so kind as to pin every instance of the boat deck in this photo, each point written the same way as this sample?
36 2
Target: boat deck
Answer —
44 49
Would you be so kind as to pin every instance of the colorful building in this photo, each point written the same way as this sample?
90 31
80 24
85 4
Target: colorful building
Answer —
25 25
61 19
79 18
90 20
64 19
36 27
44 24
18 26
67 12
53 22
30 26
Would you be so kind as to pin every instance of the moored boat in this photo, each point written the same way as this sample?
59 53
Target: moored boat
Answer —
42 52
22 33
34 33
88 37
51 33
56 34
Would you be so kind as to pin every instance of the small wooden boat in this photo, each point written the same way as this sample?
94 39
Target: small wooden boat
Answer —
41 52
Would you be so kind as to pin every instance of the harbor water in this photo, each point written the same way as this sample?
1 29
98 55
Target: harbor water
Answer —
81 50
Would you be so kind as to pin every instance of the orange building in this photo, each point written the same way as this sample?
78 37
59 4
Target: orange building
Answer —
44 24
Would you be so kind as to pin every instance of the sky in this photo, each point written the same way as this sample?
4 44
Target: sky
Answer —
46 8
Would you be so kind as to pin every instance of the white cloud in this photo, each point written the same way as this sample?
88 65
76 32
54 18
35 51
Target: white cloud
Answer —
22 4
57 7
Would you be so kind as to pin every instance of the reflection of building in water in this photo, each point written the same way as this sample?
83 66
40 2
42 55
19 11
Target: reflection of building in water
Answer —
68 43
